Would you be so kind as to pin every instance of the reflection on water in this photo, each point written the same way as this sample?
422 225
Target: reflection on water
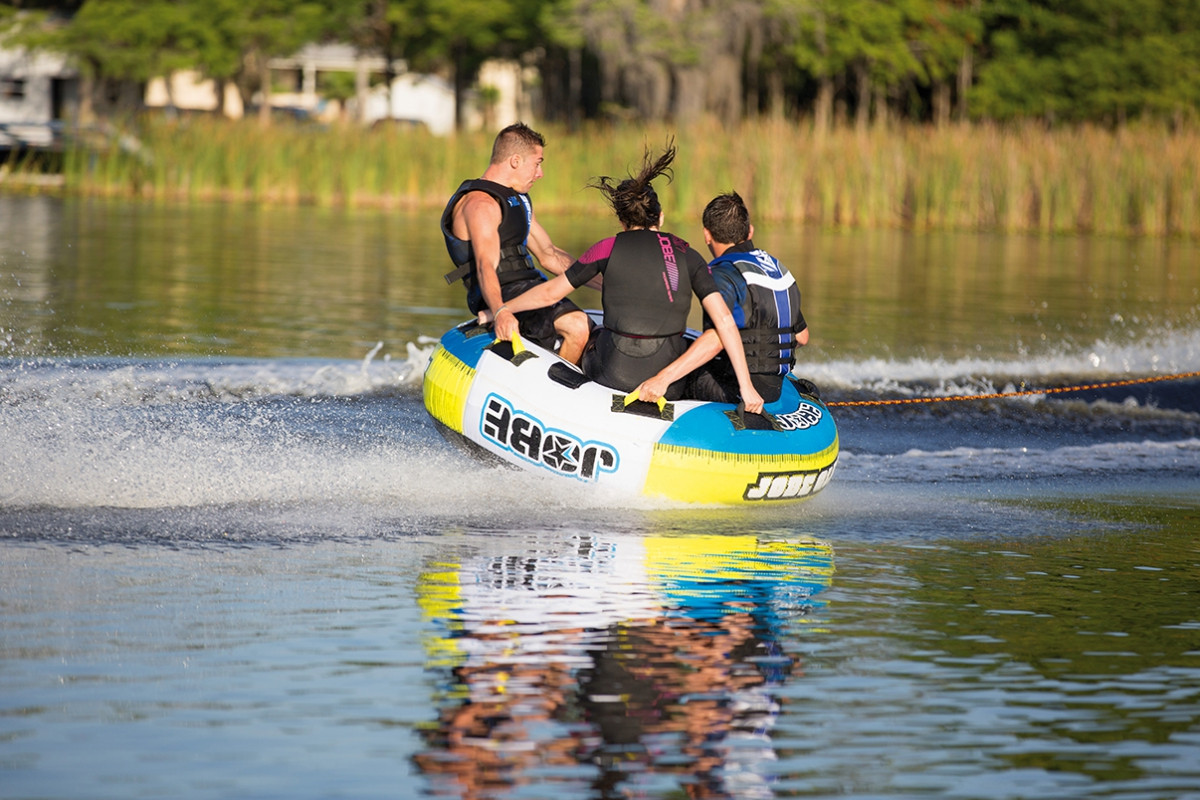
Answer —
113 278
90 277
623 664
228 571
155 655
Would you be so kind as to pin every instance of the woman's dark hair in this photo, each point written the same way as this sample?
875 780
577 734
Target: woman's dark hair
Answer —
634 199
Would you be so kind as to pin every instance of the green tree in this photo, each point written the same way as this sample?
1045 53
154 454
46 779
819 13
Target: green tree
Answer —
567 49
61 7
247 34
666 60
385 28
121 44
1066 60
1182 23
1089 59
865 41
459 35
945 41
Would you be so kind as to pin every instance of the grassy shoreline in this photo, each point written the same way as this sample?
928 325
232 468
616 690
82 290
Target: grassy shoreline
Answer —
1140 180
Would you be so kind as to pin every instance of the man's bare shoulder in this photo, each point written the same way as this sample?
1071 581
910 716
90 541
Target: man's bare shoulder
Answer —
478 202
473 210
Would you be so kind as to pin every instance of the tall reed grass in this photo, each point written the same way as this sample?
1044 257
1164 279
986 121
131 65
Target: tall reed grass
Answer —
1141 180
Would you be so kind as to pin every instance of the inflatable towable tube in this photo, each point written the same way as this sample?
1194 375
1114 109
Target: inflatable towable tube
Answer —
526 406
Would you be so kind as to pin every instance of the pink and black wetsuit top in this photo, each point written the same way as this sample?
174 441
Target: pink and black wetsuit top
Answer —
649 279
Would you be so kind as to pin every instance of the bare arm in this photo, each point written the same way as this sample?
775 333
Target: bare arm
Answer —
544 294
552 257
480 216
727 330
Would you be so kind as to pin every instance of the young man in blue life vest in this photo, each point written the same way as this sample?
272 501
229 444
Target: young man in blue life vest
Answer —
490 232
765 302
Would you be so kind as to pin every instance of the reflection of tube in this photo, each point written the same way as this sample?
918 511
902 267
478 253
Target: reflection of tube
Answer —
610 651
625 578
542 602
745 589
698 681
747 751
707 576
588 583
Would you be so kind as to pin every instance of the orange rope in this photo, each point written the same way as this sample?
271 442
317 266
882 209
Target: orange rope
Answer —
1023 393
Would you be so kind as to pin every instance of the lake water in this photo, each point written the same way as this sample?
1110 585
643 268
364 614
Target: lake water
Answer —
237 559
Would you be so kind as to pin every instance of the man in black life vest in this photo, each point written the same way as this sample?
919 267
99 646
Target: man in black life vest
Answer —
490 232
765 302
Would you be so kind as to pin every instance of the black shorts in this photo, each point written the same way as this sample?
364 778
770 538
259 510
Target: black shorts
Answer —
536 325
623 362
717 382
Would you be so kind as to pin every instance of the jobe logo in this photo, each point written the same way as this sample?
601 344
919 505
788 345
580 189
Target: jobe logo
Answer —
805 416
671 276
788 485
555 450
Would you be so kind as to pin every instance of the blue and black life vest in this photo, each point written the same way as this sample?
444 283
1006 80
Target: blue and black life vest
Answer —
516 216
767 312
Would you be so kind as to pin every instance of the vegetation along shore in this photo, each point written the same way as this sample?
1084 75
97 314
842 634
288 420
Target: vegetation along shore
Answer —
1020 177
1041 116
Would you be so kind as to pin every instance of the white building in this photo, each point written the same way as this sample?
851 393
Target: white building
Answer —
413 96
186 89
421 98
36 90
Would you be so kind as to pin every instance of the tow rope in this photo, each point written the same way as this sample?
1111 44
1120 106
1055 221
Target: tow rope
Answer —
1020 393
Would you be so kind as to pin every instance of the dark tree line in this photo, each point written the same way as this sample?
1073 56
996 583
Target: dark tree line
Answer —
862 61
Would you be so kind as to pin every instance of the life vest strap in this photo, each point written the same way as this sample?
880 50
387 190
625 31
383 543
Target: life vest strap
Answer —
458 273
518 252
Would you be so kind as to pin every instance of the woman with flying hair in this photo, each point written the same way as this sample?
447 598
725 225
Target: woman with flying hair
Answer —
648 277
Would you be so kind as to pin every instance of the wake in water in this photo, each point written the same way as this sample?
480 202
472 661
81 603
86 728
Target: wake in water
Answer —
351 440
1163 353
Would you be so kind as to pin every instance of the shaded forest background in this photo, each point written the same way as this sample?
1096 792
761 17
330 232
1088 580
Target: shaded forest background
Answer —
1041 116
860 62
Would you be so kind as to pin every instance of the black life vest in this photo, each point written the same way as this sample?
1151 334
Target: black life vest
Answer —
516 216
767 312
